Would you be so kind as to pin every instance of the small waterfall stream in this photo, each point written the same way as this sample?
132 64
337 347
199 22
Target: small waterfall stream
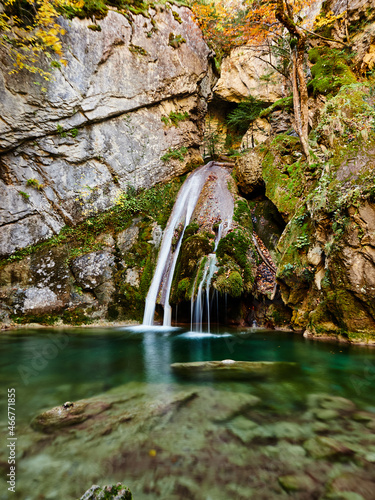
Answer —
181 213
198 305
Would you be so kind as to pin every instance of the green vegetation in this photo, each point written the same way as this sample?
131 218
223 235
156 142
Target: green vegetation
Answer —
245 113
63 133
285 104
177 16
235 252
94 27
154 204
175 154
283 172
174 118
175 41
136 49
24 195
330 71
231 283
34 183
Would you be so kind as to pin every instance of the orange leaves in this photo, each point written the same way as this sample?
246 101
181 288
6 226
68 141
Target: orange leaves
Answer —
226 28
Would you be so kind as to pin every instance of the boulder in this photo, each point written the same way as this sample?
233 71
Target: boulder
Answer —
114 492
233 370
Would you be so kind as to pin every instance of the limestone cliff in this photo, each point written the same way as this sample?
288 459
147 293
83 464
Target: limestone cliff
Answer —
69 146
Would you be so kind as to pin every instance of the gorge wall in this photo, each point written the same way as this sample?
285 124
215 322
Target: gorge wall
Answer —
71 144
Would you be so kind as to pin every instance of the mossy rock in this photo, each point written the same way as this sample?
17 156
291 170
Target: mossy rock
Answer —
330 70
284 174
232 284
236 252
116 492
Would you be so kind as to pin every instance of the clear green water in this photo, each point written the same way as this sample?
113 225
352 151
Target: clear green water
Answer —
49 367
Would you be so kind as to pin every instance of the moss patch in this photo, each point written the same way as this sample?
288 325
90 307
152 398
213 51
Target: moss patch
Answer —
154 204
330 70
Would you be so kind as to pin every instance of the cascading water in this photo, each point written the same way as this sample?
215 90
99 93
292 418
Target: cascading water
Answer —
181 213
197 306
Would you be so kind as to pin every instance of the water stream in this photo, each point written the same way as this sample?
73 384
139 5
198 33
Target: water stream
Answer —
181 213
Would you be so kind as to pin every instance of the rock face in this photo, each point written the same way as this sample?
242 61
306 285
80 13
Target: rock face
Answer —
249 171
67 150
241 76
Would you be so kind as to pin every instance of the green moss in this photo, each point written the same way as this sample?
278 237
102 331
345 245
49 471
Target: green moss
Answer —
330 70
175 41
189 264
284 183
285 104
154 204
175 154
41 319
136 49
183 287
242 214
236 252
177 16
232 284
94 27
76 317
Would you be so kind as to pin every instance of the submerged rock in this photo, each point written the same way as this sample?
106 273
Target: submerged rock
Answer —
229 369
294 482
68 414
116 492
328 448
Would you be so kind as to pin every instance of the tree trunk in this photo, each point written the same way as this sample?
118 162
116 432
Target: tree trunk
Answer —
303 97
300 94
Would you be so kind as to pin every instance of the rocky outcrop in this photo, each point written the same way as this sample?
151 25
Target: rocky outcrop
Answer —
243 73
326 253
69 146
249 171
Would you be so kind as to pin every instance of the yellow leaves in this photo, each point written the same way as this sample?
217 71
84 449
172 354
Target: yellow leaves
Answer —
328 19
36 34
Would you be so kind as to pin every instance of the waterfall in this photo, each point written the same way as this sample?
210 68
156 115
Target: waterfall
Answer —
197 306
181 213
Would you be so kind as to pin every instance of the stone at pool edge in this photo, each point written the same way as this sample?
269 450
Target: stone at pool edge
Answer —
61 416
116 492
234 370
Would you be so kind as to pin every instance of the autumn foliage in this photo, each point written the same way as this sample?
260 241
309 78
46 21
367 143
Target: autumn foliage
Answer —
225 28
28 29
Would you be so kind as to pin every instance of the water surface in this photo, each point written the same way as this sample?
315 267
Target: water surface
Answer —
49 367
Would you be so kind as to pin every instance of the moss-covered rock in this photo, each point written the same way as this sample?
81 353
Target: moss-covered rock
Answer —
116 492
330 70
